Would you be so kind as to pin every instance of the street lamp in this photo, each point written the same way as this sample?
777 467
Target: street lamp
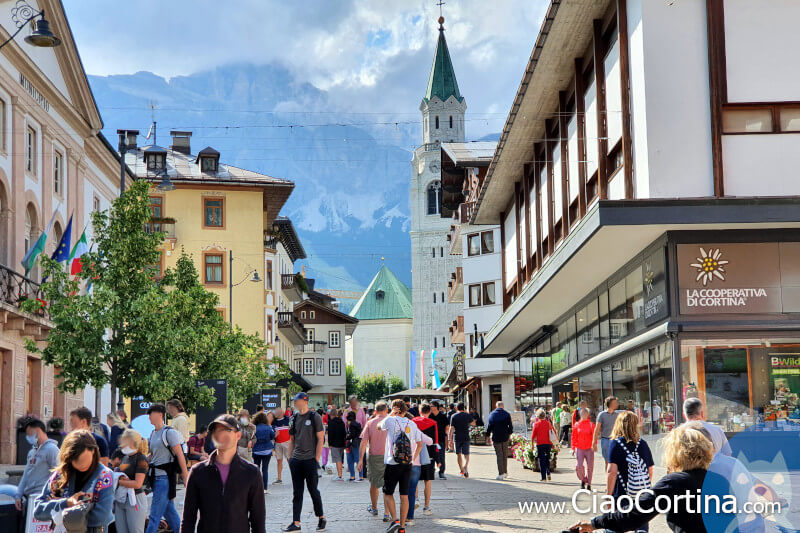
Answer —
252 276
42 37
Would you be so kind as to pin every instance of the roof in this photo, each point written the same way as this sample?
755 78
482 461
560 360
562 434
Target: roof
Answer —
565 34
477 153
183 169
337 314
442 81
394 303
208 151
288 237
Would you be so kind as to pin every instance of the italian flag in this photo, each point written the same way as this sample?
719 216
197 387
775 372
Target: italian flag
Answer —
80 248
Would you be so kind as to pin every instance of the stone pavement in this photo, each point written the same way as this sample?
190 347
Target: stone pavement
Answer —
479 503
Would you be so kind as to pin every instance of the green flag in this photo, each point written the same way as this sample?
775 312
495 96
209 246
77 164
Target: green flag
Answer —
30 258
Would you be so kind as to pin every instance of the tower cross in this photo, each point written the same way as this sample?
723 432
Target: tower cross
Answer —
440 4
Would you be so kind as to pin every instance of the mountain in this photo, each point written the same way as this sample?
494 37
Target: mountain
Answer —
351 170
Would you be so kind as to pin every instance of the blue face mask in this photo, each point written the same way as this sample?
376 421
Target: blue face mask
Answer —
31 439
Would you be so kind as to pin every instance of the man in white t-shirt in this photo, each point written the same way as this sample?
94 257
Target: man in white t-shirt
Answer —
693 410
398 475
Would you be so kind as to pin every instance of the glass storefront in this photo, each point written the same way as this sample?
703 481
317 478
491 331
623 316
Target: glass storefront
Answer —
744 381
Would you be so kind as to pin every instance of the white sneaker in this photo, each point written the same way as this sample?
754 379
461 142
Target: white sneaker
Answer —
339 479
427 511
505 476
410 522
500 478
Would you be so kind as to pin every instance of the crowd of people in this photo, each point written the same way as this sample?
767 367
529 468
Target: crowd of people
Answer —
102 474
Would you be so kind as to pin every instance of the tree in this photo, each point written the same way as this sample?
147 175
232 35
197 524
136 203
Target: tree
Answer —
145 336
396 384
351 381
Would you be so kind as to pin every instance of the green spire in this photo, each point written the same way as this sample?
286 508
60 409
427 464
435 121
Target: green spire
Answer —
386 297
442 82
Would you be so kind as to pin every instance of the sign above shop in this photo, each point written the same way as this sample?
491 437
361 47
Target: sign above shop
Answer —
654 285
751 278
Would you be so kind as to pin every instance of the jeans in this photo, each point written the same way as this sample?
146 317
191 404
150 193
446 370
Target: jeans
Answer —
352 457
564 437
161 506
262 461
304 471
605 447
440 460
501 449
543 451
412 489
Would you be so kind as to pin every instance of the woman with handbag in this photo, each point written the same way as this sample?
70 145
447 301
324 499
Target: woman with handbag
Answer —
130 517
81 489
544 436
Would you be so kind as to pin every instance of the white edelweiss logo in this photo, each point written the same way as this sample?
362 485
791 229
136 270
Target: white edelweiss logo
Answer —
709 265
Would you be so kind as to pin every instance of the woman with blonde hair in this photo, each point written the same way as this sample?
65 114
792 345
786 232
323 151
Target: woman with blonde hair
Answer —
117 427
79 478
127 517
687 456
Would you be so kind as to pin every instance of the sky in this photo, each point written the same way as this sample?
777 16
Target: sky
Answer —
369 56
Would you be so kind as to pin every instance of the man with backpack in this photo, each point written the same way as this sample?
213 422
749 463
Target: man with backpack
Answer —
403 444
167 459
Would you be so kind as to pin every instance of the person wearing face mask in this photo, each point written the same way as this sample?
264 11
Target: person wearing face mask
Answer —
131 518
225 490
79 477
42 458
248 438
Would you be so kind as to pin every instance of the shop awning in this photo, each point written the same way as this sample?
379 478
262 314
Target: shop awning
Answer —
465 384
609 236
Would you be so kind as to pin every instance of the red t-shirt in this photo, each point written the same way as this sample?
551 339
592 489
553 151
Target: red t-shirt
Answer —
424 423
541 432
582 434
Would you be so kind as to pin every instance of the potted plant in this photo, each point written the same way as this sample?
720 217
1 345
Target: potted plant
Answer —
477 435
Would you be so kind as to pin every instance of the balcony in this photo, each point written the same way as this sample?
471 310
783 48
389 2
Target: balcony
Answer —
454 238
167 225
457 331
14 290
270 241
291 287
311 347
455 287
291 327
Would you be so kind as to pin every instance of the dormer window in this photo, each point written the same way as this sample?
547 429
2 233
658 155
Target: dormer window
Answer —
155 158
379 294
208 159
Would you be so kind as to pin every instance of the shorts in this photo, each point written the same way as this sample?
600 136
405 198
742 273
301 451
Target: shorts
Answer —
337 455
462 447
427 471
396 476
605 447
282 450
375 470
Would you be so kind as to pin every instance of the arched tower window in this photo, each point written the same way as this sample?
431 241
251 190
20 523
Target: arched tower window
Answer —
434 198
451 122
437 122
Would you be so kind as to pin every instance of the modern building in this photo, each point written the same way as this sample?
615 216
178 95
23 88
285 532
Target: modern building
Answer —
476 283
442 110
321 358
54 164
645 186
382 342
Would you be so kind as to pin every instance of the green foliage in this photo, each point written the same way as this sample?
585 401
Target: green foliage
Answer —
371 387
145 336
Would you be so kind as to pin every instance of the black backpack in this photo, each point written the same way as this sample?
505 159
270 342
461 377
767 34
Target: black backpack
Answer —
401 449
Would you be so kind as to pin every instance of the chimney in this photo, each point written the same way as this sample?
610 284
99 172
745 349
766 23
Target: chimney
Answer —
127 140
181 141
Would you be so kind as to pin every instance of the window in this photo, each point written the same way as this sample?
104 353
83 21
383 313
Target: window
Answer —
157 161
333 339
434 201
213 269
268 274
156 270
434 342
488 293
303 315
30 150
298 366
312 315
790 119
451 121
474 295
443 344
310 335
157 206
320 366
269 329
213 209
433 252
335 367
58 173
434 297
208 164
95 204
437 122
441 251
442 296
474 244
487 242
308 367
761 118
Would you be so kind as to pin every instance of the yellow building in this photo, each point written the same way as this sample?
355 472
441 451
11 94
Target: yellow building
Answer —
218 214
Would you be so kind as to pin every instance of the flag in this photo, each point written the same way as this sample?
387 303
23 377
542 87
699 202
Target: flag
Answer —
412 368
75 256
436 382
33 252
62 250
422 368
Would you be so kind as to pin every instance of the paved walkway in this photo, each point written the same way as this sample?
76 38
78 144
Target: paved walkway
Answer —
479 503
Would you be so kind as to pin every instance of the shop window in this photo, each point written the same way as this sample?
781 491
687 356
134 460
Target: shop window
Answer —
602 301
618 320
591 390
662 410
631 377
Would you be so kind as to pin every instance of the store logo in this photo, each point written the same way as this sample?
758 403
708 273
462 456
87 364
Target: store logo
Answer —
649 276
709 265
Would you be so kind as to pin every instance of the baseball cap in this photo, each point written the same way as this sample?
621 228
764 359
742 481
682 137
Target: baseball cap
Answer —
228 421
300 396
